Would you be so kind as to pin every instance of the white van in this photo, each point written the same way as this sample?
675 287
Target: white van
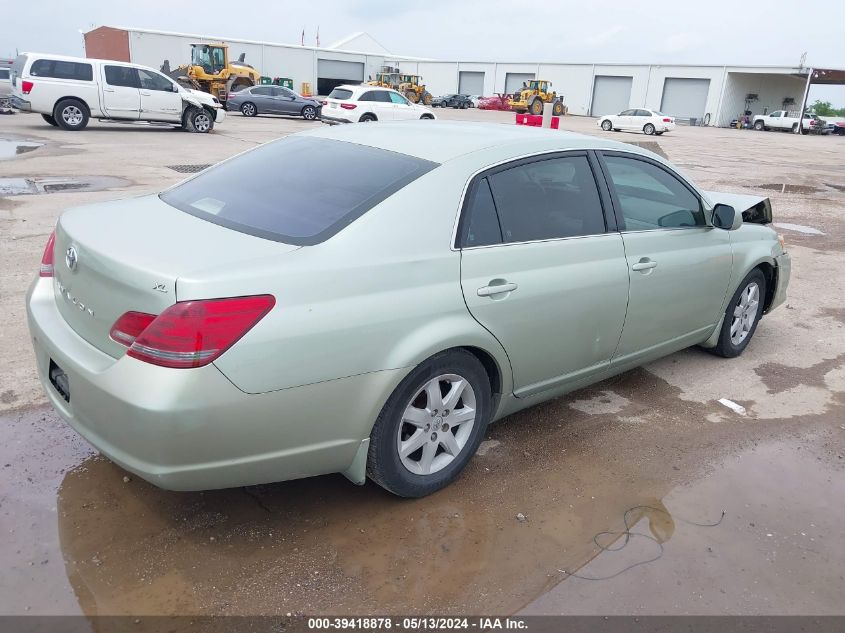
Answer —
68 91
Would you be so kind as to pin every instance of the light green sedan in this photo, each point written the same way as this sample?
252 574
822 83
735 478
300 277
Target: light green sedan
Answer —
367 299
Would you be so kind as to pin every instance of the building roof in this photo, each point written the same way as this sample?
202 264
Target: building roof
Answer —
360 41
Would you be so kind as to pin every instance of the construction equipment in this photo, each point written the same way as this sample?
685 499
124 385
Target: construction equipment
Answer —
533 95
409 85
211 71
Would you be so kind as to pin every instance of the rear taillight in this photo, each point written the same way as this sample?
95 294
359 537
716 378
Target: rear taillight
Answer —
348 106
191 333
231 95
27 86
667 120
129 327
47 258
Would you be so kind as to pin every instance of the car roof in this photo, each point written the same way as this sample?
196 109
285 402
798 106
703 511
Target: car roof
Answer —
366 87
441 141
87 60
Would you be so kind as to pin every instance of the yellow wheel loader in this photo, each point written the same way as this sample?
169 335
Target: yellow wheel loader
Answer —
409 85
211 71
533 95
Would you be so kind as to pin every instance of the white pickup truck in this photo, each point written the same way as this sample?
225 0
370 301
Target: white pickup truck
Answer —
782 120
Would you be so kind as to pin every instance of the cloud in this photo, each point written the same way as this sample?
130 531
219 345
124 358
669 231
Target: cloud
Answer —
680 43
605 36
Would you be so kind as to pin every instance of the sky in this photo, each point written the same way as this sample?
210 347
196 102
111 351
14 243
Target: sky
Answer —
715 32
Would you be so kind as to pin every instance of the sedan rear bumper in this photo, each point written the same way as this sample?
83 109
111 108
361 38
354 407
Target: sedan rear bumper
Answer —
192 429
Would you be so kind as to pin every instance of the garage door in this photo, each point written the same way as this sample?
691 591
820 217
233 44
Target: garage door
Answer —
685 98
333 72
514 81
611 94
471 83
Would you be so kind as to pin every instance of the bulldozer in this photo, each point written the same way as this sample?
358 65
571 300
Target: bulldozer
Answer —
211 71
409 85
533 95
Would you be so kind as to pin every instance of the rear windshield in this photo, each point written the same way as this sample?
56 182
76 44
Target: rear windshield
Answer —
298 190
340 93
59 69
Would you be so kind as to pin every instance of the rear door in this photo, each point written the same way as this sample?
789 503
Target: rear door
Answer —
160 99
541 269
262 97
121 96
679 265
380 103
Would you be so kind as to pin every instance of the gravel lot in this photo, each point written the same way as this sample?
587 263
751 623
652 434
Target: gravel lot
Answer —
79 536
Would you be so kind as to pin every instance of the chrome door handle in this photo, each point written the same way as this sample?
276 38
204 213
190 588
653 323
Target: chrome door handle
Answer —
145 93
644 264
489 291
108 89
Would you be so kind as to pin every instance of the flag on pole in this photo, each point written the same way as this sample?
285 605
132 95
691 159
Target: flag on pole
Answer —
318 36
302 41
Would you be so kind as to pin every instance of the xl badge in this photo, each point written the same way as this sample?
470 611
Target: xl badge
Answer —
71 257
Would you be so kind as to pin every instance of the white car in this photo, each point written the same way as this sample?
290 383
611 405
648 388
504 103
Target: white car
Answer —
362 104
648 121
68 91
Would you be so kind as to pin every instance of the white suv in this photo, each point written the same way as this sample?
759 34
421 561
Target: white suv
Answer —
68 91
353 104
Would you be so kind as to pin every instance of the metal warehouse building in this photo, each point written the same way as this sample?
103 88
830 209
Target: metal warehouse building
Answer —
712 94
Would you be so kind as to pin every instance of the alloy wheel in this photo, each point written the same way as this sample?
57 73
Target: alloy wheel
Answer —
437 424
745 313
72 115
202 122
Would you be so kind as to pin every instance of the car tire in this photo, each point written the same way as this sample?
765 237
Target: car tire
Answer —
50 119
367 118
431 461
71 114
427 117
199 120
248 109
309 113
648 129
606 125
758 125
742 316
659 133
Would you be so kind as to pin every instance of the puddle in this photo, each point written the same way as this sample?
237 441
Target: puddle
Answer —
82 536
798 228
35 186
783 187
10 149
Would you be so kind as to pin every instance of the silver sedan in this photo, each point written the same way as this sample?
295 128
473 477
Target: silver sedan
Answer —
273 100
367 299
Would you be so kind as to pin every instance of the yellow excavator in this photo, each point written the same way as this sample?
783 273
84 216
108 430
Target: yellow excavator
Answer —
533 95
409 85
211 71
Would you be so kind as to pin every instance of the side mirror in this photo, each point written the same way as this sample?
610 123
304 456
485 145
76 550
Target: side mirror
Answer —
725 217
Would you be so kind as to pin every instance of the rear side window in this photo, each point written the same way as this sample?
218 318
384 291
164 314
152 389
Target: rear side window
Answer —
61 70
375 95
262 91
652 198
481 223
340 93
548 199
122 76
299 190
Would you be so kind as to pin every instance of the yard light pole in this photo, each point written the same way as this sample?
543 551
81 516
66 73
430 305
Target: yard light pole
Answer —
800 128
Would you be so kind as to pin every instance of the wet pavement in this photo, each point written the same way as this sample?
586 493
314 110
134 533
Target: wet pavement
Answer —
513 534
80 535
10 148
44 184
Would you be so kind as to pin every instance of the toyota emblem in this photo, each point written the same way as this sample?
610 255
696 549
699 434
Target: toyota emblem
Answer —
71 258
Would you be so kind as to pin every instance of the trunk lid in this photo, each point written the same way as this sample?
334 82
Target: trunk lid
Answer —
125 255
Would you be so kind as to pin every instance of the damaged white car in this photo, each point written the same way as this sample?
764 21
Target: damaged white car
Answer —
69 91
